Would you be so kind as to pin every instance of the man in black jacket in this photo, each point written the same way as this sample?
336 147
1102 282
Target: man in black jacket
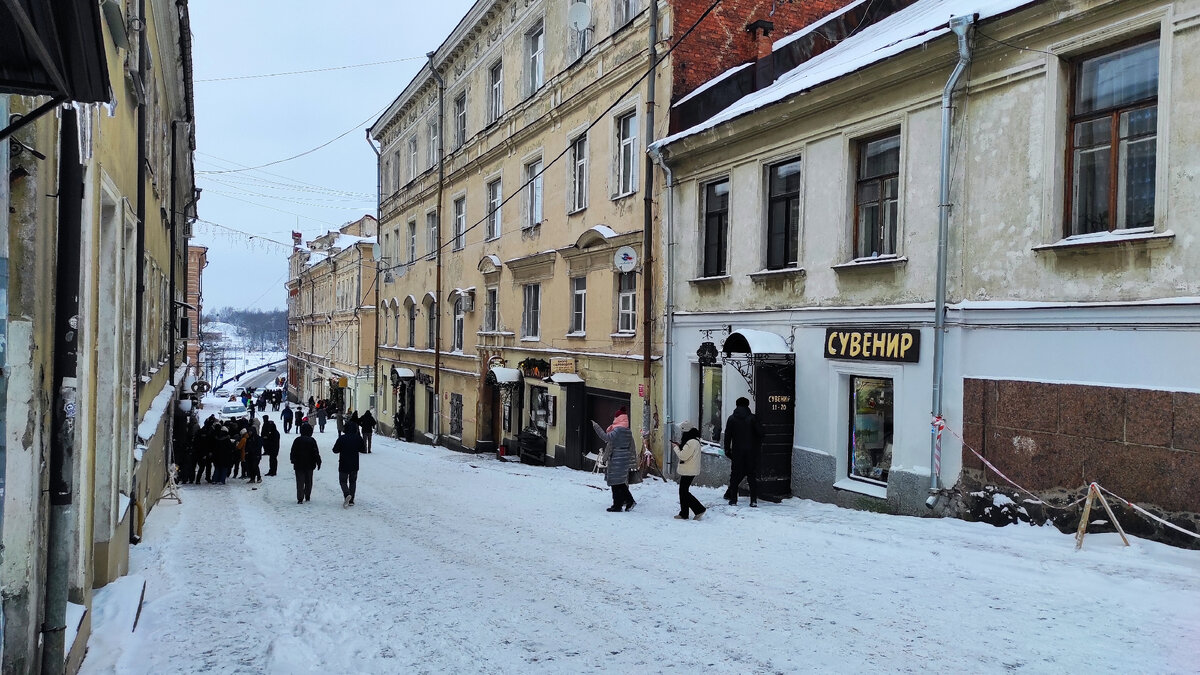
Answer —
347 447
270 436
305 457
743 441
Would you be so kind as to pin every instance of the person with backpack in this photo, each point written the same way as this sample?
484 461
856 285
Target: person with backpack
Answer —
270 439
743 444
305 457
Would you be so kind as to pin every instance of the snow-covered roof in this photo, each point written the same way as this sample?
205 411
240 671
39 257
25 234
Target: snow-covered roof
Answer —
506 375
151 422
912 27
348 240
711 83
755 342
403 372
565 378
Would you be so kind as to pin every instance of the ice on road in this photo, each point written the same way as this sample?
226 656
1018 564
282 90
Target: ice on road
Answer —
457 563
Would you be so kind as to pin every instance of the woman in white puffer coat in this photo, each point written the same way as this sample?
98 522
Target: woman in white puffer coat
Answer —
688 452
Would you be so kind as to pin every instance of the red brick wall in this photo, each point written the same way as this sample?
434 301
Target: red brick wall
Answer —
1142 444
721 42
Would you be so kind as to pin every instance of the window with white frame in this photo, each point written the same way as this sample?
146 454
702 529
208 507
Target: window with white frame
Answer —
491 310
578 158
535 49
531 314
434 143
627 302
626 160
412 241
783 214
495 91
459 321
412 326
533 193
494 198
877 196
456 415
413 171
431 227
460 120
578 305
395 323
431 329
460 223
387 325
626 10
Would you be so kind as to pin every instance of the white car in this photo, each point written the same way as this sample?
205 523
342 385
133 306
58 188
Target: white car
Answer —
232 411
272 369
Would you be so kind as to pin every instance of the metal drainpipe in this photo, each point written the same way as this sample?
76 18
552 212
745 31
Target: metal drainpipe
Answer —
648 231
140 253
62 439
378 215
5 197
656 154
437 321
961 25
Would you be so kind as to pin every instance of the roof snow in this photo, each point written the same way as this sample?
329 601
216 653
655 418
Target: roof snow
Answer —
912 27
708 85
152 420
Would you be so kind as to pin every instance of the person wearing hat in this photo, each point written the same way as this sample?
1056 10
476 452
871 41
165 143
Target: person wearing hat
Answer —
688 452
306 457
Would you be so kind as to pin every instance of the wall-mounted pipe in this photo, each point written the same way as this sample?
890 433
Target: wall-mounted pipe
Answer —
961 25
656 155
437 319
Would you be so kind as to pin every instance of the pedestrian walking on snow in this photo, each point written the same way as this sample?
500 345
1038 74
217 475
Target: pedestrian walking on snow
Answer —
743 442
688 452
286 415
321 417
620 461
367 424
305 457
254 451
270 439
347 448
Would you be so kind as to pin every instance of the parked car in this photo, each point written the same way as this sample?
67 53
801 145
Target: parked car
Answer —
272 368
232 411
223 392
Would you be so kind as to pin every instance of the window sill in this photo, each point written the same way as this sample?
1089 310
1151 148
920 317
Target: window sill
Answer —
500 333
710 281
576 335
622 336
623 195
772 275
874 262
577 211
531 339
1143 237
862 488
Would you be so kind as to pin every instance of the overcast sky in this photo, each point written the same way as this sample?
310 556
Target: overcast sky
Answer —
252 121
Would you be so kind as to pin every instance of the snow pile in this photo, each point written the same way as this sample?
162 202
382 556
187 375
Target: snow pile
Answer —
153 418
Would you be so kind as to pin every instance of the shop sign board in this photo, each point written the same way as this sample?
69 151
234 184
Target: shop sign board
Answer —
424 378
873 344
561 364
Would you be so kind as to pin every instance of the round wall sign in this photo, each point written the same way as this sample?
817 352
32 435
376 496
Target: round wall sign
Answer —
625 259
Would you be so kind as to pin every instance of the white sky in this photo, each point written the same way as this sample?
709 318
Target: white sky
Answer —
251 122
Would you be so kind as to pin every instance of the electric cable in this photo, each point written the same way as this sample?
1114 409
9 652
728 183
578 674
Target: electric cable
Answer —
305 72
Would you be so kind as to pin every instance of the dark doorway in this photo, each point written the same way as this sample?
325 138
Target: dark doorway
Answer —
774 405
602 406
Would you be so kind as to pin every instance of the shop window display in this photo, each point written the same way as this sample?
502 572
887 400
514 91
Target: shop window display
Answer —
710 404
871 428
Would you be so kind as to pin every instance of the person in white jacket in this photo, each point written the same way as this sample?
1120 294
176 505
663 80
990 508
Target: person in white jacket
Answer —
688 452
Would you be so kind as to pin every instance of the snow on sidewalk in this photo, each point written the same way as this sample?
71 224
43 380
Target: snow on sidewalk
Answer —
460 563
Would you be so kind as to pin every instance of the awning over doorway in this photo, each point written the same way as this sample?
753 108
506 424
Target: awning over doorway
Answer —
756 342
504 375
566 378
403 373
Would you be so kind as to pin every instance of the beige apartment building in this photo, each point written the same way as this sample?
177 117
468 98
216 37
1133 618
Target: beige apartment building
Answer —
194 297
331 317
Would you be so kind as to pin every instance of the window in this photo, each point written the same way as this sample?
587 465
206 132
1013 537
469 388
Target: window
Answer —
579 41
533 193
431 329
395 323
716 227
535 48
871 425
456 415
385 177
491 310
530 316
386 326
494 197
460 223
435 148
1113 140
783 215
412 241
430 410
626 154
397 165
412 326
578 305
577 200
460 120
626 10
459 320
877 197
431 226
495 91
412 158
627 302
710 418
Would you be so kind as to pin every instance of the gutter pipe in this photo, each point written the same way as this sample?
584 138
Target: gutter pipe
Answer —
961 25
5 198
437 342
378 224
656 154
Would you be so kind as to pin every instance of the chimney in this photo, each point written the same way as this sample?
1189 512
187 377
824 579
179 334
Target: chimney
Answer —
764 67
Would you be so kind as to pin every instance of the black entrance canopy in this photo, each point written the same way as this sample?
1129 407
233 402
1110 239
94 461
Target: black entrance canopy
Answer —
53 48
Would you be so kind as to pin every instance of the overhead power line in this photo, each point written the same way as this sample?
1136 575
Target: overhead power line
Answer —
314 70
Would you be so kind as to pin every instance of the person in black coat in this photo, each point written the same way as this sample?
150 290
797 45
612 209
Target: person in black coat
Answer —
367 424
222 454
347 448
743 443
306 457
253 452
270 438
286 416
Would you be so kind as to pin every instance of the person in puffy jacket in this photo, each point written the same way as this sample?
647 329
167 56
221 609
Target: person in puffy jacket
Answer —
347 447
743 443
620 461
688 452
305 457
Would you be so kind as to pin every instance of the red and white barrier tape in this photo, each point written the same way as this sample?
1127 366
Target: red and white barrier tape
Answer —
939 423
1146 513
990 465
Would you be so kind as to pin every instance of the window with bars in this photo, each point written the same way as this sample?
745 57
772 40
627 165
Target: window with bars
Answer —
877 196
783 214
494 198
1113 139
531 314
577 199
495 91
533 193
627 302
460 223
627 154
716 228
578 305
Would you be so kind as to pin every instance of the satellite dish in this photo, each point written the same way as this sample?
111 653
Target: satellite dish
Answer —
625 259
376 251
579 16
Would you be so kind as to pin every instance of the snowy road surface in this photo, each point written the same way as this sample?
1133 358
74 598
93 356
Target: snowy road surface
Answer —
453 563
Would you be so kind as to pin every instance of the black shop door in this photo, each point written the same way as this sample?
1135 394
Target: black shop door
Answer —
774 405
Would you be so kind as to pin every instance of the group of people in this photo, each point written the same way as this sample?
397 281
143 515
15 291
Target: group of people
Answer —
319 413
742 443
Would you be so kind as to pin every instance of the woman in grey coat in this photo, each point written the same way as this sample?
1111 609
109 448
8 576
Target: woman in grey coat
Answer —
621 459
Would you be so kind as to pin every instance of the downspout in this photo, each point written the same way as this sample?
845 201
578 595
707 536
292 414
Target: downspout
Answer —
174 332
437 321
5 198
140 252
62 439
961 25
656 154
648 231
378 215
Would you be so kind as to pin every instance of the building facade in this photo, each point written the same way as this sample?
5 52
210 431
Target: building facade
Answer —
331 317
197 261
97 210
807 254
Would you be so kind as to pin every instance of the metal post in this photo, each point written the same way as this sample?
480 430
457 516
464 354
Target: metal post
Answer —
437 321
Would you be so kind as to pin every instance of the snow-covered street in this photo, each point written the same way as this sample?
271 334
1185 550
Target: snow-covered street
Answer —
458 563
